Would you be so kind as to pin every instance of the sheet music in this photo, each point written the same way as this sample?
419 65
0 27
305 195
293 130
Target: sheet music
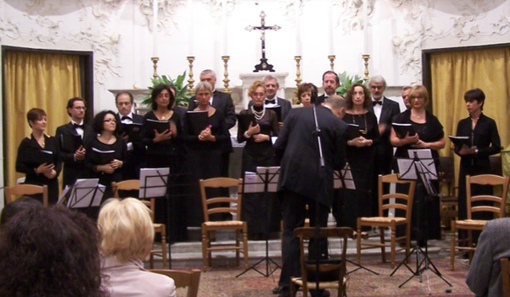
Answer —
273 175
420 153
426 168
346 174
84 191
156 179
253 183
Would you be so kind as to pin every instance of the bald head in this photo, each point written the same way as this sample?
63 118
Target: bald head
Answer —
337 105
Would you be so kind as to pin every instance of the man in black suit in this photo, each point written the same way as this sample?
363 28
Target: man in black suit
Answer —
73 160
272 87
300 182
330 82
384 109
136 149
223 102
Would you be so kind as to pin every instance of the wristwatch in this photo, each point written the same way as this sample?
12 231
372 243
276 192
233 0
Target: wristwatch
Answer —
476 151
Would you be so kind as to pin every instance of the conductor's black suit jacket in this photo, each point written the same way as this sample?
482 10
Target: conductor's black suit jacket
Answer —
72 169
297 148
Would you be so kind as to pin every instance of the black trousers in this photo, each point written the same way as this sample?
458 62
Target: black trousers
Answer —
294 213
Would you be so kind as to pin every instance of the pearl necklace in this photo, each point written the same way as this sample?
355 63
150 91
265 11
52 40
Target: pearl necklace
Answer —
258 114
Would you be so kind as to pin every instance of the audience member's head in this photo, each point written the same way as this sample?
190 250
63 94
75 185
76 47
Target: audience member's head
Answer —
126 228
18 205
50 252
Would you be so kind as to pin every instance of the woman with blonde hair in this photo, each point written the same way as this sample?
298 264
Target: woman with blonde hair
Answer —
127 236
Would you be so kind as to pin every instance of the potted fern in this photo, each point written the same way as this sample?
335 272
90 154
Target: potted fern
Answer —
346 81
181 90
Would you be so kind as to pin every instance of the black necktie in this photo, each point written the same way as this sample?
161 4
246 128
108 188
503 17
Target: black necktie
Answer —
82 126
270 101
374 103
126 118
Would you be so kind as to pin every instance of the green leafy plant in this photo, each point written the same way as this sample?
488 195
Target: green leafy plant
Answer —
181 89
346 81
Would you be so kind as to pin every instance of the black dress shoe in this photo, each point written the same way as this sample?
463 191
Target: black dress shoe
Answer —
322 293
277 290
284 291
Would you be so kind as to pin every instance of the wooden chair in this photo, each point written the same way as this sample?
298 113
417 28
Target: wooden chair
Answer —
210 206
132 185
404 202
493 204
505 276
183 279
448 202
26 189
330 268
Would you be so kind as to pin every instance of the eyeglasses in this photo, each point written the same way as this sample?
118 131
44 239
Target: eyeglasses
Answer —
80 108
109 121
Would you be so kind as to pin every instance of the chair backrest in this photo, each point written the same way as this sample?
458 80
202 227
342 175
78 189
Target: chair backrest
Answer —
447 174
182 279
210 204
133 185
493 203
402 201
308 268
505 275
26 189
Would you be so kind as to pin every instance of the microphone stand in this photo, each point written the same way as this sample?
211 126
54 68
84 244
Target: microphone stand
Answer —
321 172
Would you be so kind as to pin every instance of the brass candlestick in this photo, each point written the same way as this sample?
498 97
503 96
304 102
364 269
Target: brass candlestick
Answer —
155 66
332 62
190 80
226 80
366 57
298 78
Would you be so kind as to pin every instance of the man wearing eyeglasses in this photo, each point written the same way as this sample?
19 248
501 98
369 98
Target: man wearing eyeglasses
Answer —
72 139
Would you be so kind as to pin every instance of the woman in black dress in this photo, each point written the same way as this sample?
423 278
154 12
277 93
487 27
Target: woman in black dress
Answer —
38 156
429 134
165 148
259 211
360 156
484 142
204 152
106 153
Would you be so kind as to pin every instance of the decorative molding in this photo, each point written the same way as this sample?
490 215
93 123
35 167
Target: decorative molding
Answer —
502 27
353 14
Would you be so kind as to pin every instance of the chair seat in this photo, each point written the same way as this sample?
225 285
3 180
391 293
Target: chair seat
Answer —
322 285
478 223
382 219
224 224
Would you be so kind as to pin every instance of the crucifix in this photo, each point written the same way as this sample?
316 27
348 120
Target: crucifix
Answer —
263 66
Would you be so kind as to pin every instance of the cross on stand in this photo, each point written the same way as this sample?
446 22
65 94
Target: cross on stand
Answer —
263 66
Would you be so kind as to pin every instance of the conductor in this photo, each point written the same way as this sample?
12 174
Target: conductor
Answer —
300 180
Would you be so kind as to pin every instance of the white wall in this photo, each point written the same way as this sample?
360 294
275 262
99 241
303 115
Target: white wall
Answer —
119 33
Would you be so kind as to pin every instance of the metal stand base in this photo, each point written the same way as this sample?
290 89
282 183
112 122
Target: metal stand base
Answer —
358 267
266 259
421 265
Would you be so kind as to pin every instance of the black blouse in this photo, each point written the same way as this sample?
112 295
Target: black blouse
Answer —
26 160
172 146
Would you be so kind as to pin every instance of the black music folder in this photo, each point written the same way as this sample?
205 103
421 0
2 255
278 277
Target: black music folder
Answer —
197 121
70 142
103 157
460 141
133 131
352 131
245 120
402 129
40 156
278 110
160 126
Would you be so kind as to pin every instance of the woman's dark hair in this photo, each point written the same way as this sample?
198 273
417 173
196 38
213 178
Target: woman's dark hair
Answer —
304 87
350 92
475 94
50 251
35 114
98 122
156 91
18 205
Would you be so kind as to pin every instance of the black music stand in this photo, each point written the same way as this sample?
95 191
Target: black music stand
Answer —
420 167
264 181
154 184
83 195
343 180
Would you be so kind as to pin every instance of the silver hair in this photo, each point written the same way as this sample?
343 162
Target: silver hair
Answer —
208 71
203 85
377 79
270 77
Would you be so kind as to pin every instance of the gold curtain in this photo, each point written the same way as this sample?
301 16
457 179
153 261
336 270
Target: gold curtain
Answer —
35 79
455 72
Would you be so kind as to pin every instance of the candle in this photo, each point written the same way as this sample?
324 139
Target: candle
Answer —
365 28
298 30
225 35
155 28
330 35
190 35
